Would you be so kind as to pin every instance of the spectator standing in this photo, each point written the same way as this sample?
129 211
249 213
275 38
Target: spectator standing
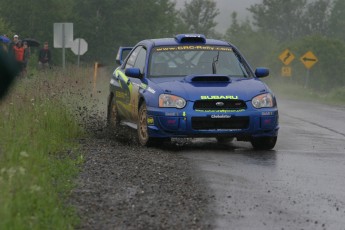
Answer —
27 54
44 57
13 44
18 50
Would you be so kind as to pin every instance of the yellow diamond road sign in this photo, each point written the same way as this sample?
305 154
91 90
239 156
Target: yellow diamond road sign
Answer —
286 57
309 59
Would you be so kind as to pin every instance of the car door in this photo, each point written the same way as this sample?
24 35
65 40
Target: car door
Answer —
137 59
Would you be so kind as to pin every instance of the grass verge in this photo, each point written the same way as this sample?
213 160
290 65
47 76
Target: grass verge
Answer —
39 156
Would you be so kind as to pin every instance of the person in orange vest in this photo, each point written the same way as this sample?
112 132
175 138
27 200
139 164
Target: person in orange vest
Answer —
19 56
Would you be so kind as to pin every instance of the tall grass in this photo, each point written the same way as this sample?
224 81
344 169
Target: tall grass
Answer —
39 154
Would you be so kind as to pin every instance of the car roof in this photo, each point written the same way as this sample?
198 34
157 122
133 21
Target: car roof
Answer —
178 41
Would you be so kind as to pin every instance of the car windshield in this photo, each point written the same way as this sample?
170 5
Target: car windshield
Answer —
169 61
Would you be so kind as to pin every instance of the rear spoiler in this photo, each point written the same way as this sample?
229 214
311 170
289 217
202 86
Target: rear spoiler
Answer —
122 54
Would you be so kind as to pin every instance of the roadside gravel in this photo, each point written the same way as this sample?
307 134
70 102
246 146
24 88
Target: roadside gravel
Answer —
125 186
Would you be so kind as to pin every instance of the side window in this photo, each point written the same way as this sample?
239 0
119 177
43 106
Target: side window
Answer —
131 60
140 62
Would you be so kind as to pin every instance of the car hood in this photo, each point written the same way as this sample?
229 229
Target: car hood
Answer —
242 89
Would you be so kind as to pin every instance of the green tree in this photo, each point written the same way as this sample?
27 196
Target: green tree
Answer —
35 18
316 17
257 47
337 20
5 28
199 16
300 26
108 24
281 18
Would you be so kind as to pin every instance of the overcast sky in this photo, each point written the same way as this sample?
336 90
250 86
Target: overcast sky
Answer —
226 7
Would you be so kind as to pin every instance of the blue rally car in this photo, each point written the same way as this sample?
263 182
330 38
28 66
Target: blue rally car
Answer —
191 86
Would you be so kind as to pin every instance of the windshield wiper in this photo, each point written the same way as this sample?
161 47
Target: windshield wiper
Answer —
214 62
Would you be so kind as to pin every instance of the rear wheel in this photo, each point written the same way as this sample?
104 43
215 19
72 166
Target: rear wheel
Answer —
263 143
113 119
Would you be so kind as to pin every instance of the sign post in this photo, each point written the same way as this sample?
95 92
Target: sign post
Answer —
63 36
308 60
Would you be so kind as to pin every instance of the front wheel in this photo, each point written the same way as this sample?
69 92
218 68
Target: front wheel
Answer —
143 134
263 143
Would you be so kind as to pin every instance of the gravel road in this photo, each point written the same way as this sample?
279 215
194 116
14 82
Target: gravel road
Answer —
125 186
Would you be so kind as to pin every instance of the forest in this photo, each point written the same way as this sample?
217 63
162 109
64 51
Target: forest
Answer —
273 26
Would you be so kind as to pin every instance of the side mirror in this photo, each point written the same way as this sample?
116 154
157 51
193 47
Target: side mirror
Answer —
261 72
133 72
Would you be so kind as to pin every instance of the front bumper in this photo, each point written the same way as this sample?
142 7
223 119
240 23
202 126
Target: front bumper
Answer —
243 124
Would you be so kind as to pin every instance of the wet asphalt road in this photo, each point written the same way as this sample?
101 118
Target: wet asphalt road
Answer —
298 185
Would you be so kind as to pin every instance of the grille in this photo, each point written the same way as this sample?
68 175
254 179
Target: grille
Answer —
219 105
207 123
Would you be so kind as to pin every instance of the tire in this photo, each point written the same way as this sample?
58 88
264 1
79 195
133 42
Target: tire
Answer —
113 119
263 143
143 134
224 140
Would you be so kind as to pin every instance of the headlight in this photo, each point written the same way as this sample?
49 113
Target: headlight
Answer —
171 101
263 101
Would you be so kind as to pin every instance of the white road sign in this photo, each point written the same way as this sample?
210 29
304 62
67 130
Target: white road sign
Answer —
79 46
63 35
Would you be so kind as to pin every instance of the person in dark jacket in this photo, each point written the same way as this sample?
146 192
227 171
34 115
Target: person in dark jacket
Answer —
44 57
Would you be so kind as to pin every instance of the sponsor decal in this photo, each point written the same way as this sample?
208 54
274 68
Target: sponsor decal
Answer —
136 84
184 114
231 97
180 48
171 122
150 121
151 90
267 121
220 111
218 116
267 113
120 94
171 114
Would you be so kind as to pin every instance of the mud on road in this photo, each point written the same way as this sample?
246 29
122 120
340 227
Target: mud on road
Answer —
125 186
